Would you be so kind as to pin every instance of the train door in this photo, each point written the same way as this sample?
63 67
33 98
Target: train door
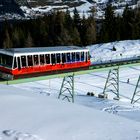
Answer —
15 63
19 63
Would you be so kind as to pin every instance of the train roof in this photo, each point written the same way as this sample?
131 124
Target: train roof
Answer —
41 50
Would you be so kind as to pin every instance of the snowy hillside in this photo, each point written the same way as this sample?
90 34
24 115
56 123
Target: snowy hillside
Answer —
39 8
83 6
124 49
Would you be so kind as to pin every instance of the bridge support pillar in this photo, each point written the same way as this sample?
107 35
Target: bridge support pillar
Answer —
136 95
112 83
67 88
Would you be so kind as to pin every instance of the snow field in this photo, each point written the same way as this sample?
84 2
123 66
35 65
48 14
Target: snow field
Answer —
32 111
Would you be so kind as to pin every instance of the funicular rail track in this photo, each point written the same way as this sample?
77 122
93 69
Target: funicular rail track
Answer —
117 62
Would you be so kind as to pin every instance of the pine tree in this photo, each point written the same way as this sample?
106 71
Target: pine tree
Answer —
7 43
90 35
22 37
51 29
16 38
68 23
118 27
76 37
107 32
29 41
128 20
135 24
109 22
42 33
77 19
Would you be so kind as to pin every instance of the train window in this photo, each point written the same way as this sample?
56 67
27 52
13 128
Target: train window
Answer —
63 57
73 57
19 63
86 56
15 62
3 60
58 57
89 56
6 60
36 62
68 57
23 61
42 60
30 60
53 58
47 56
9 60
0 59
82 56
77 56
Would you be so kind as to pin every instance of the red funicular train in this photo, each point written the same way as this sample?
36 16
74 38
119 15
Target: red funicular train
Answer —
26 61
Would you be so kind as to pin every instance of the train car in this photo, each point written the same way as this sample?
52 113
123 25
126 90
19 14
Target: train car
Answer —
26 61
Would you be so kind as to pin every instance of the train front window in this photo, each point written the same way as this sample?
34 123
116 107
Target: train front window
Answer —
6 60
23 61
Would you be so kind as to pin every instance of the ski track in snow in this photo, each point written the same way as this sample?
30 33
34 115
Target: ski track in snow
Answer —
16 135
114 109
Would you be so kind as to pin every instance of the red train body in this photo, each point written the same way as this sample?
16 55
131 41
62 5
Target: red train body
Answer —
25 61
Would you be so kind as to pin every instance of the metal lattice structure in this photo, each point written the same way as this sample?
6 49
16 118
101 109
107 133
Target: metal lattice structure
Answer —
67 88
112 82
136 95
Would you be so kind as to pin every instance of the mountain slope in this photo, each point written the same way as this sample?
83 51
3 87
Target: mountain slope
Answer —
33 8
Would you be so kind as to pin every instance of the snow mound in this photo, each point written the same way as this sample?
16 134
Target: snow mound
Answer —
16 135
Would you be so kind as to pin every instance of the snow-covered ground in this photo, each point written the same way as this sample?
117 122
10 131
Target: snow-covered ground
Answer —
124 50
32 111
95 82
84 8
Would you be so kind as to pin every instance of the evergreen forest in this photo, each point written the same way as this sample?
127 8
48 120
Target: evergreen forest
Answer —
60 29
